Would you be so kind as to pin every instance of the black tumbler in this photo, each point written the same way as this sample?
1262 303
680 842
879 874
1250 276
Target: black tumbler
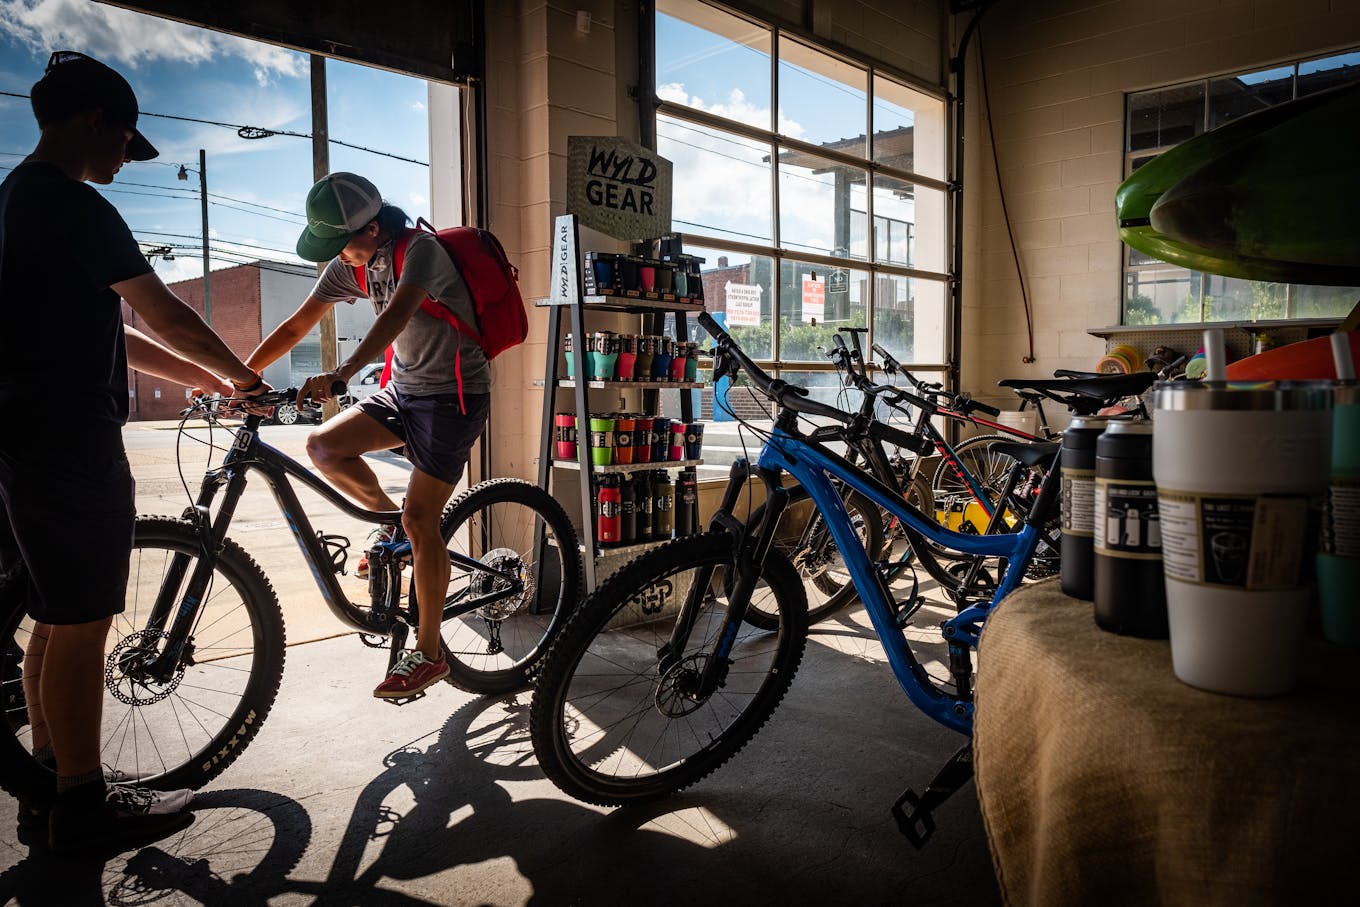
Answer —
1078 505
1130 590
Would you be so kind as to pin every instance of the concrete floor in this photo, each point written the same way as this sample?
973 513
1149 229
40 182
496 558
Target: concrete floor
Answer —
343 799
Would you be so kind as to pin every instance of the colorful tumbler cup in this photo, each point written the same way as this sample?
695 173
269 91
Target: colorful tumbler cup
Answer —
677 442
623 369
601 440
642 439
624 426
661 439
565 423
647 277
694 440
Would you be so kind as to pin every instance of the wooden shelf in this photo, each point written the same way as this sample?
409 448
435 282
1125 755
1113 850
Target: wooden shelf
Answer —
628 467
627 304
1273 324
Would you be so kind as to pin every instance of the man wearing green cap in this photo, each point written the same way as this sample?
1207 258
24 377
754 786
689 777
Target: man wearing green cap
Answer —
435 406
66 492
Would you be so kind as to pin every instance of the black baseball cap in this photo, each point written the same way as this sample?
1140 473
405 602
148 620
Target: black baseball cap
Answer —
74 82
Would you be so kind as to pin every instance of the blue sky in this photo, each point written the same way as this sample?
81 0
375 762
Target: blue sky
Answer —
256 188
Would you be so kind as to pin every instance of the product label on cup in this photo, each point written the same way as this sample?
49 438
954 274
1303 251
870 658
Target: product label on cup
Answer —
1126 519
1079 502
1244 541
601 439
566 433
1341 519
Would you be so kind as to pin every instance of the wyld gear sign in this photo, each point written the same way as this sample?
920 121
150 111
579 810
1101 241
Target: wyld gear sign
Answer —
618 187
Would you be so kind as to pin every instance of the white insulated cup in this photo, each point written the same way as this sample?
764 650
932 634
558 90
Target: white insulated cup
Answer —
1241 472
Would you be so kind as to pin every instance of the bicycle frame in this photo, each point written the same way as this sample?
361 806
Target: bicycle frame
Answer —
815 467
250 453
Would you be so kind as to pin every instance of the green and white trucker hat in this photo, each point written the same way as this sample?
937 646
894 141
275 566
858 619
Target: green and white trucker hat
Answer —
339 205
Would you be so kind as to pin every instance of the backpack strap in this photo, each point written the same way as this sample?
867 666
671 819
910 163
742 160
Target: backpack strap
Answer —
430 306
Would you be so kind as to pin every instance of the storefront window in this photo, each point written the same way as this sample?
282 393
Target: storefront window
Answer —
776 143
1158 293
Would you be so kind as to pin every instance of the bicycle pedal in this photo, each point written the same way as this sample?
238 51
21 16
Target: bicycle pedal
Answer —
404 700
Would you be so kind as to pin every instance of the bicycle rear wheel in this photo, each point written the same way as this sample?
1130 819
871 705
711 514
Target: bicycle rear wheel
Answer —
610 727
170 732
807 543
494 648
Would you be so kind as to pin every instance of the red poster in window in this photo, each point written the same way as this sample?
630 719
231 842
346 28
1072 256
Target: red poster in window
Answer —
814 299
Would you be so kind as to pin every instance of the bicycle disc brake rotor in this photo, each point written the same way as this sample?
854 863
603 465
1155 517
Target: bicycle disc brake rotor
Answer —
504 560
124 674
676 693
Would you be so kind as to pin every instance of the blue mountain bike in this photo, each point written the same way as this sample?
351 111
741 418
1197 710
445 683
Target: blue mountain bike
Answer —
659 678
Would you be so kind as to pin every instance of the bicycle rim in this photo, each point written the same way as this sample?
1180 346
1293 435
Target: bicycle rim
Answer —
494 648
610 726
175 731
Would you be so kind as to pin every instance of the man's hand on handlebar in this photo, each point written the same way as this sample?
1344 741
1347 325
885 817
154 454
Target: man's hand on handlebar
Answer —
320 388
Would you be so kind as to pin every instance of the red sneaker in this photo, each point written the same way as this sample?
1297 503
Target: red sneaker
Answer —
412 674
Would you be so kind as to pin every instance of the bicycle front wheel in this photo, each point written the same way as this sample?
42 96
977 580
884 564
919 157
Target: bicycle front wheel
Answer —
181 727
494 648
611 726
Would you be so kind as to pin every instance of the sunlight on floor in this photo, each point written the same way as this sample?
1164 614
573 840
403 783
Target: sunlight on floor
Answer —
696 825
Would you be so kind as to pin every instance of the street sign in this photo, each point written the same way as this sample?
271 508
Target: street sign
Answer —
838 280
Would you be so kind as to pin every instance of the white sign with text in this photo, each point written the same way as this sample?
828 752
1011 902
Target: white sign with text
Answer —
743 305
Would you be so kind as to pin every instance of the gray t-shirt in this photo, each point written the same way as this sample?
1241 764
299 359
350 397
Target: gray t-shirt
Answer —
427 348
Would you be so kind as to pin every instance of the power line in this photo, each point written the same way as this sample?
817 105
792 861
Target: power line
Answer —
258 132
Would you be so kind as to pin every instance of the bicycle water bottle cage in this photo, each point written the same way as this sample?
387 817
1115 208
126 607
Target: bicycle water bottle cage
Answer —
337 549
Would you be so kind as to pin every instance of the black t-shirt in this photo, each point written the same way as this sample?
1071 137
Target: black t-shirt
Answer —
62 245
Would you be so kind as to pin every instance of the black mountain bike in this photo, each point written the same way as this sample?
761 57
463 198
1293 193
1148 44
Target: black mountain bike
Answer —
193 664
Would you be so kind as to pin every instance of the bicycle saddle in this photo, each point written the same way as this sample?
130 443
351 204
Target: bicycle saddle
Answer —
1102 387
1036 453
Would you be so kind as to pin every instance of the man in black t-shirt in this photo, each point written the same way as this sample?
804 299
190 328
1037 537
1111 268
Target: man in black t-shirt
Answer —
66 493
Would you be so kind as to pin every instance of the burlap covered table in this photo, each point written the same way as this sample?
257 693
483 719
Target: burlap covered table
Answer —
1105 780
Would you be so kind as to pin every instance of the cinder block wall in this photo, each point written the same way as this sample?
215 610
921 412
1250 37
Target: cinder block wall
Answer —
1058 71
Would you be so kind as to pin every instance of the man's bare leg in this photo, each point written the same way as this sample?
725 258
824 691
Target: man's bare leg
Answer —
71 694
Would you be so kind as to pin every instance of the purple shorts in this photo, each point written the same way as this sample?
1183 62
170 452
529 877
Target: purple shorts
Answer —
436 435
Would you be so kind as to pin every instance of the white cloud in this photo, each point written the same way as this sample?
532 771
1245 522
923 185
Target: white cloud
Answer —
417 200
118 36
417 105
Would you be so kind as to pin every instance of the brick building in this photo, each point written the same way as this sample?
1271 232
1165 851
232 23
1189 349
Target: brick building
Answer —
248 302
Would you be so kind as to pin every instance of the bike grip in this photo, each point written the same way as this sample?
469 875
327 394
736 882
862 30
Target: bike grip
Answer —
984 408
708 323
840 344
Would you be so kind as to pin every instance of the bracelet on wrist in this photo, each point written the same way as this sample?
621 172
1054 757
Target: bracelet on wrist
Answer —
248 386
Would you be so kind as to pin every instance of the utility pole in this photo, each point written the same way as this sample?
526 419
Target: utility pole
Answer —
203 206
321 165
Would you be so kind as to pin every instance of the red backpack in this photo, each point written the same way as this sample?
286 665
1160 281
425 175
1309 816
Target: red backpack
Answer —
493 285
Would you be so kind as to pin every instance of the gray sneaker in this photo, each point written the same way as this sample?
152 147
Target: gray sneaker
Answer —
125 817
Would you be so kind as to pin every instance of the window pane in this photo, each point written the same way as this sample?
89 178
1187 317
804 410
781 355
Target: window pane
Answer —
909 317
814 301
822 100
1324 302
721 181
1161 296
739 291
916 217
1158 119
816 197
1237 96
1230 299
713 61
1319 75
908 129
826 387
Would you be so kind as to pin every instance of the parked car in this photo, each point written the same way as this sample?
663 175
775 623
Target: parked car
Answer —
363 384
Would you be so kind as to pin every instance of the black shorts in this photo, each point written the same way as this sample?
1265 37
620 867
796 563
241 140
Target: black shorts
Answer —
66 514
436 434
